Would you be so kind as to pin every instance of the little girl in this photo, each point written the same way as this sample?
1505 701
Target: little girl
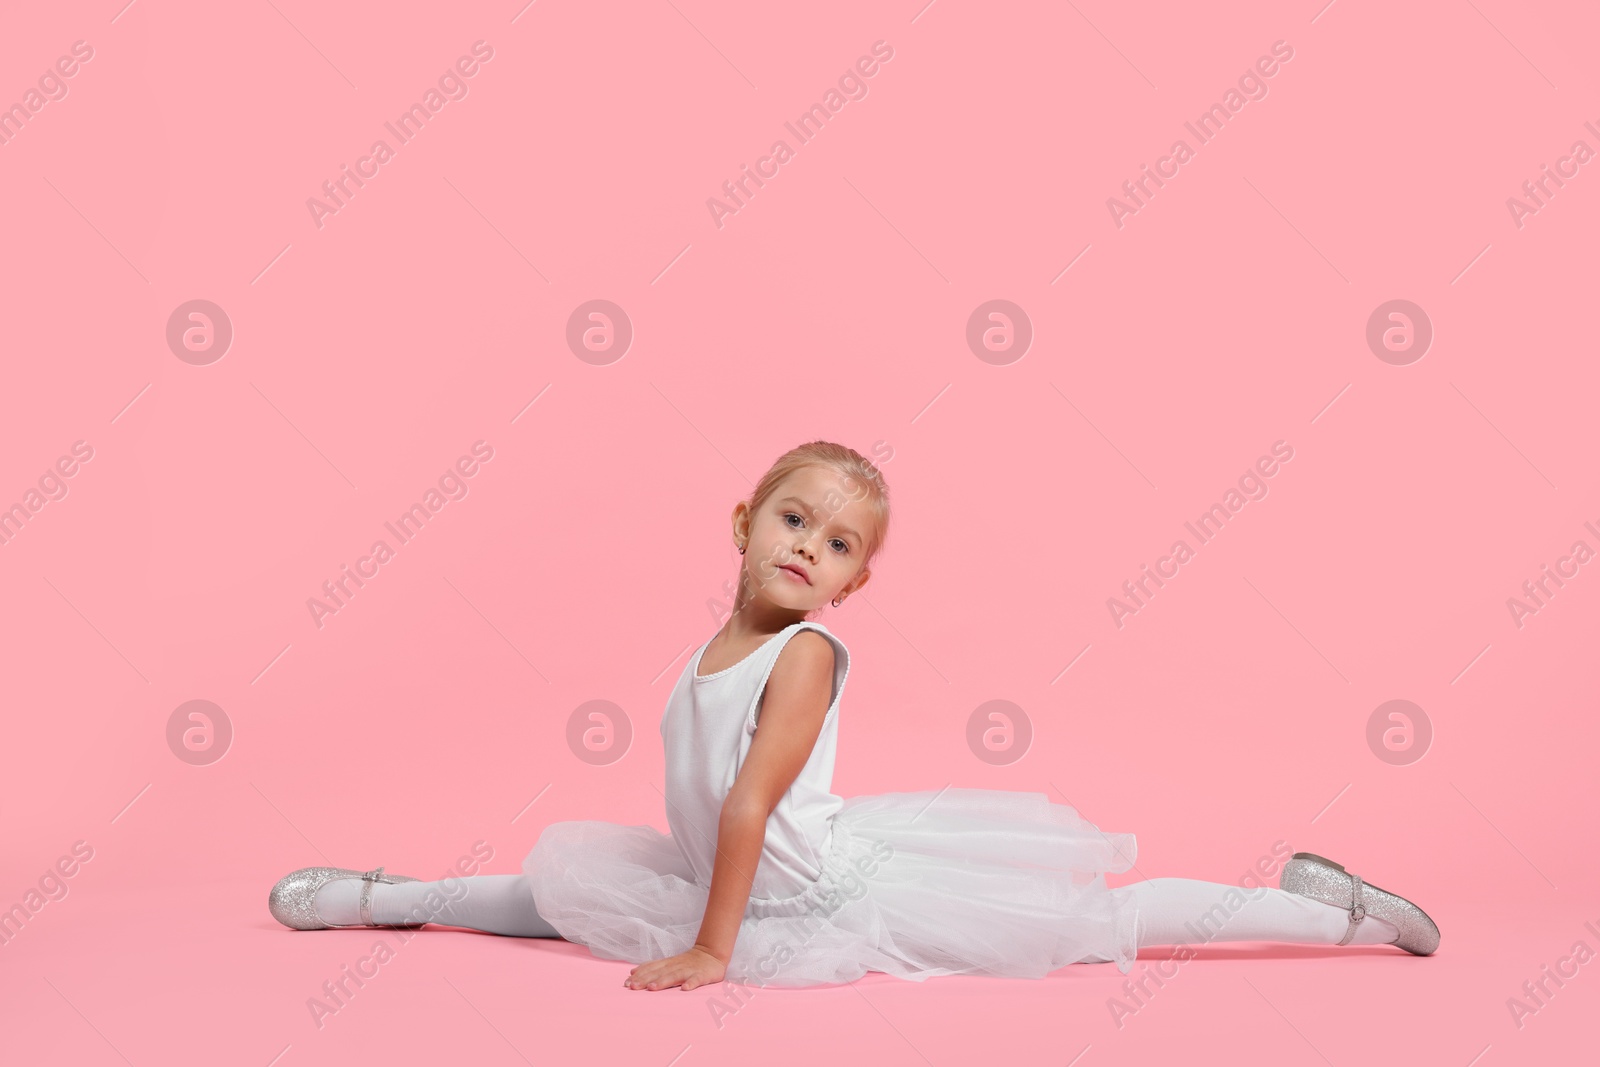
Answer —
768 878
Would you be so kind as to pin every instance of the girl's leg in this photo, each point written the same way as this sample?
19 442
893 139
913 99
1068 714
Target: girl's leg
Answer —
1184 911
493 903
1174 911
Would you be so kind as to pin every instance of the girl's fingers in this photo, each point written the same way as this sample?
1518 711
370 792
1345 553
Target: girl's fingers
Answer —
656 976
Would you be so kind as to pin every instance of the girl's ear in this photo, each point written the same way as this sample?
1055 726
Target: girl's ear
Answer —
859 580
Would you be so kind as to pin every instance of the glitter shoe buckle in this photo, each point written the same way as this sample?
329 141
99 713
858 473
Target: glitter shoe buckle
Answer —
364 907
1358 909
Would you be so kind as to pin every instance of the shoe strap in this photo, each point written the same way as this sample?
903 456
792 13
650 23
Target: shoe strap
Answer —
364 913
1358 909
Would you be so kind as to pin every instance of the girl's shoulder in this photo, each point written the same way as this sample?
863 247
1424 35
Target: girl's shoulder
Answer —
841 653
841 666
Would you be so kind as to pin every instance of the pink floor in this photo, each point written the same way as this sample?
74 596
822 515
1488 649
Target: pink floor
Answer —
124 970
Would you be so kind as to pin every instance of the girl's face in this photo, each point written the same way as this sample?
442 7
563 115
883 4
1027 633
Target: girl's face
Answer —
807 543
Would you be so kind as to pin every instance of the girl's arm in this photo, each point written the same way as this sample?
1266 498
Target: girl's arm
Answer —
798 694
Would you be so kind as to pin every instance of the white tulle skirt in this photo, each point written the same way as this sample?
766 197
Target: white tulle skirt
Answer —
916 885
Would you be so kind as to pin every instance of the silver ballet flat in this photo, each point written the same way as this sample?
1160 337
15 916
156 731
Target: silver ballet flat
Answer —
1312 876
293 901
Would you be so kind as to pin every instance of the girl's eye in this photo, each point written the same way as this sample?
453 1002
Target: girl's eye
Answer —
844 547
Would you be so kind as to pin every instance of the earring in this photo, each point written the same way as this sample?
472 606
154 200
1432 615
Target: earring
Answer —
741 550
839 600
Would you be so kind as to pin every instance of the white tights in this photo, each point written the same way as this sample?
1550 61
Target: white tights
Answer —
1172 911
1185 911
493 903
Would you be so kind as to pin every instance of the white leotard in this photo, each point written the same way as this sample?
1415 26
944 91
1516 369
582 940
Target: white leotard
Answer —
707 728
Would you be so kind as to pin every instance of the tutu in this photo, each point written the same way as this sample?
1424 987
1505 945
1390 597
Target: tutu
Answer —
916 885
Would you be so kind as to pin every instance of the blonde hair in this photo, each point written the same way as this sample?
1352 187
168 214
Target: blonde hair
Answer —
852 465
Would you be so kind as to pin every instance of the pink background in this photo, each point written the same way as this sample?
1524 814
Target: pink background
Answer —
588 557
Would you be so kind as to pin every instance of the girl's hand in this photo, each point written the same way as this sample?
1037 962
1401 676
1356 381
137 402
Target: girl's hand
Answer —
696 967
